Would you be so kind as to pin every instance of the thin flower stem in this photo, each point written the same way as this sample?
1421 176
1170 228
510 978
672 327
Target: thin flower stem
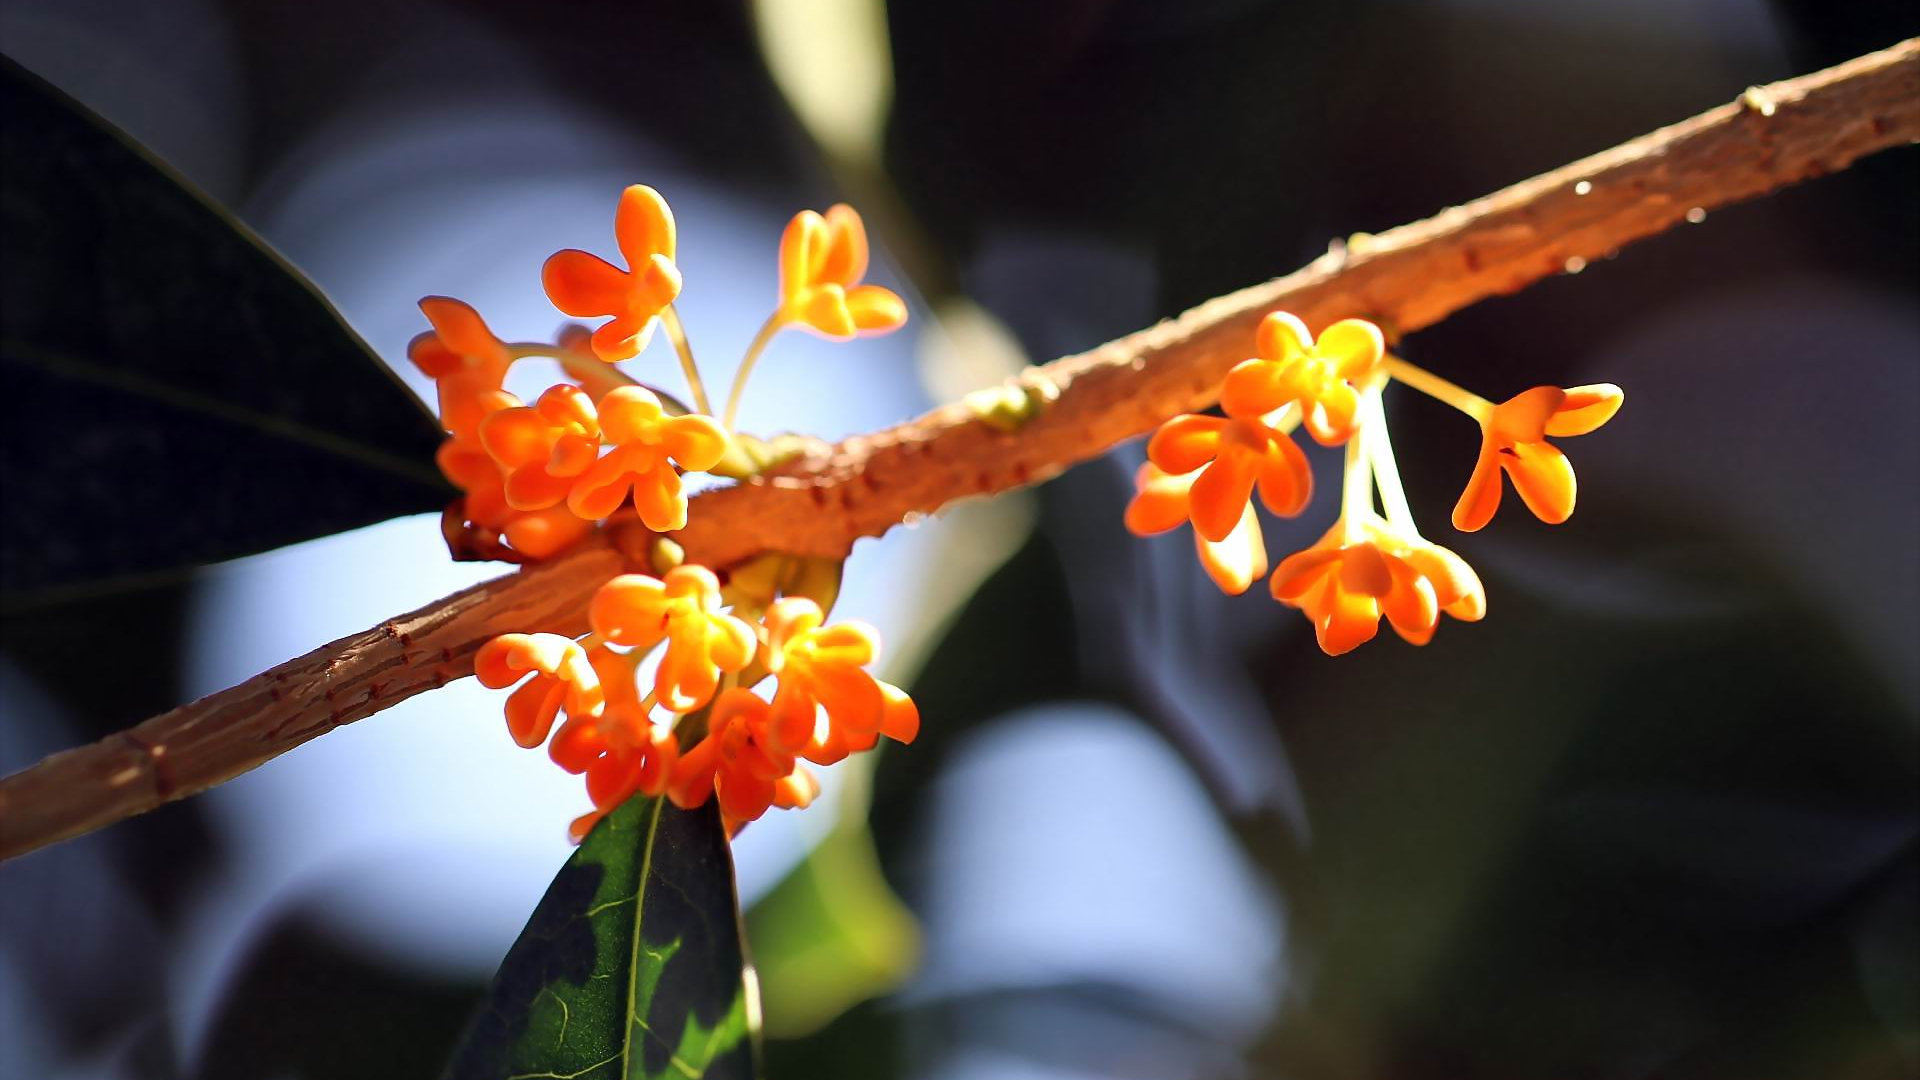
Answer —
759 345
677 334
1356 489
1436 387
1386 472
521 350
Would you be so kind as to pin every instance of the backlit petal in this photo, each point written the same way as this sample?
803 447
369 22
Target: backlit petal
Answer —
1482 495
1543 477
583 284
1185 443
643 225
1585 408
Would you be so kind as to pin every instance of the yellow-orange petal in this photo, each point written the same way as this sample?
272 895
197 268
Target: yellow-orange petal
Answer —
1186 442
532 709
797 790
742 797
532 487
1523 417
732 643
577 745
1286 479
1354 346
802 252
1345 621
824 308
659 499
691 782
1252 388
1330 419
1301 571
643 225
621 338
515 437
1410 606
899 716
541 534
1282 336
432 356
1585 408
1482 495
630 610
875 310
1364 570
1543 477
583 284
1236 562
1221 492
1160 504
697 441
1456 587
629 413
846 254
462 330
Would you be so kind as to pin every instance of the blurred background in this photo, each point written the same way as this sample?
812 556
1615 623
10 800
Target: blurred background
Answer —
1655 817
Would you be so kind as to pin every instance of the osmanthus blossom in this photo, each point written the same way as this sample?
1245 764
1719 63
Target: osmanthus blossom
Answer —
822 259
681 609
1370 565
586 286
536 479
1514 441
1160 504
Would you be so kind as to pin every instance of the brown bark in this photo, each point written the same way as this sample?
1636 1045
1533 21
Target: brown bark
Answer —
1408 278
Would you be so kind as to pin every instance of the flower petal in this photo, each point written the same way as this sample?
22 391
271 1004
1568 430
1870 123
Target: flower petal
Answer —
800 252
630 610
1544 479
516 437
1410 606
697 442
1235 563
1281 336
1185 443
1523 417
1482 495
1354 346
846 256
658 498
1222 492
583 284
1299 571
1160 504
643 225
462 330
1346 620
875 310
1585 408
1286 478
1252 388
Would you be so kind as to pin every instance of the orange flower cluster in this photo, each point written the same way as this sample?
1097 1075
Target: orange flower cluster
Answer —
536 478
1206 469
824 706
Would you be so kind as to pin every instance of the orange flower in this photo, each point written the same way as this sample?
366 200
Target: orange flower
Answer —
735 763
584 285
543 448
1235 454
561 672
684 611
538 534
821 262
1161 504
621 751
467 363
826 705
647 443
1514 438
1320 376
1344 587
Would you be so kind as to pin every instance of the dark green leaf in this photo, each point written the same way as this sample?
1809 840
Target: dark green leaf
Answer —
177 393
631 967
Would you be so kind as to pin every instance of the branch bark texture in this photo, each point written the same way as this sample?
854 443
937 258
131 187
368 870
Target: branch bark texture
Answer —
819 504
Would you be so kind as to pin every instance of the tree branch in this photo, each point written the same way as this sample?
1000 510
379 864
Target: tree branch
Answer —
821 503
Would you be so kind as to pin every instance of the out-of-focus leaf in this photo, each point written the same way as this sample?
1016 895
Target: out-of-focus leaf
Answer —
177 393
832 934
631 967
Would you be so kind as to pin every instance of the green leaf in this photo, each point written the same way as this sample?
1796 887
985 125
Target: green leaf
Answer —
177 393
632 966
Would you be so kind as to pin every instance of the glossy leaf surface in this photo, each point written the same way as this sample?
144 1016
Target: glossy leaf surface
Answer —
631 967
176 392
